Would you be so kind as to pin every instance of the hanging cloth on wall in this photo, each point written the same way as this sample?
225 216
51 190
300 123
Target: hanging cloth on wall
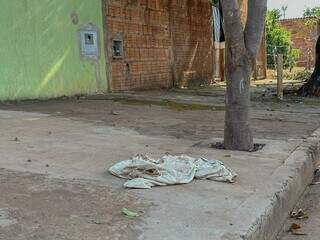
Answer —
218 23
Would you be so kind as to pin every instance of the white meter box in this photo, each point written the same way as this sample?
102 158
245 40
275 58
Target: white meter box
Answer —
89 43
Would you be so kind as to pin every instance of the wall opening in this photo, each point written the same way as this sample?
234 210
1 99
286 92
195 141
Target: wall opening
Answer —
117 48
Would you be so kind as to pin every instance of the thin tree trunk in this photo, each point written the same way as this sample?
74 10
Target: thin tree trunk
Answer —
237 132
312 86
242 43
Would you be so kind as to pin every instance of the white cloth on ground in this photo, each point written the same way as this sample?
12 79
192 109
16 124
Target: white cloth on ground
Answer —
144 172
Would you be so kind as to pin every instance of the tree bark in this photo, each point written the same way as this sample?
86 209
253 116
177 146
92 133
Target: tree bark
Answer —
242 45
312 86
237 131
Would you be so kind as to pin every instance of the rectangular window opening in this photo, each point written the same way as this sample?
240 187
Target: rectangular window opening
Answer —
89 38
117 48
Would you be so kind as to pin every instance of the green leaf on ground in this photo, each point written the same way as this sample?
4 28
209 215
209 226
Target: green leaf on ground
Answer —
129 214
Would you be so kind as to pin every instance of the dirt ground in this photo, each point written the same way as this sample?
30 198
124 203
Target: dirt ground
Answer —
35 206
293 117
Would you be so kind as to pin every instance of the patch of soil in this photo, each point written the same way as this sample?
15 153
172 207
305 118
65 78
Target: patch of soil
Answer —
271 118
48 209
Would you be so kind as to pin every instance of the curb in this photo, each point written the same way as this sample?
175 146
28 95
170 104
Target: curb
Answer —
279 196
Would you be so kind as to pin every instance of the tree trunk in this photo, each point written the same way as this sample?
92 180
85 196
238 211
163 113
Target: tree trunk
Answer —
243 40
312 86
237 132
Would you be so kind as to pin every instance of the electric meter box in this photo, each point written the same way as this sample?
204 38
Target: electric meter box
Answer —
89 43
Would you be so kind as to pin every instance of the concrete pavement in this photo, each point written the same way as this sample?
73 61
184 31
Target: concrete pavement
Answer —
71 149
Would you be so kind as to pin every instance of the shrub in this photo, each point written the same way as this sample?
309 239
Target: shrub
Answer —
279 41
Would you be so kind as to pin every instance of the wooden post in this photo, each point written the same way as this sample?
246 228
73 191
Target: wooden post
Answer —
309 59
217 61
222 64
275 60
280 76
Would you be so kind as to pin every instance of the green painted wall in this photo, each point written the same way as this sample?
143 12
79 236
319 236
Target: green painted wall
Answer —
39 49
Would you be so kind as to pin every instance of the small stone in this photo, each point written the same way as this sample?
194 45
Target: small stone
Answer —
115 113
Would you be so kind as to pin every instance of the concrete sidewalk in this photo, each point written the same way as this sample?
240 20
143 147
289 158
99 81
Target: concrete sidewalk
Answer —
71 149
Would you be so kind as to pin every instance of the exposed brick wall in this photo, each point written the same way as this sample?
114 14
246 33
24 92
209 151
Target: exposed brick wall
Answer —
166 42
144 27
243 5
260 70
191 29
303 37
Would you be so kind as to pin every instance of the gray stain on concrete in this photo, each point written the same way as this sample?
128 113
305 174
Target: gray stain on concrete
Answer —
5 218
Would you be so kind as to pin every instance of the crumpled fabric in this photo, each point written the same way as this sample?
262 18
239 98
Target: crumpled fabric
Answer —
143 172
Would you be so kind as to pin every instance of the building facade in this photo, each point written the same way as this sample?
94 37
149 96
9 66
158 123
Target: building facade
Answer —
163 43
304 37
40 49
65 47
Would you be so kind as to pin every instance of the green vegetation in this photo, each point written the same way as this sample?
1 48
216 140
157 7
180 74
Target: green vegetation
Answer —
279 41
312 12
215 2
